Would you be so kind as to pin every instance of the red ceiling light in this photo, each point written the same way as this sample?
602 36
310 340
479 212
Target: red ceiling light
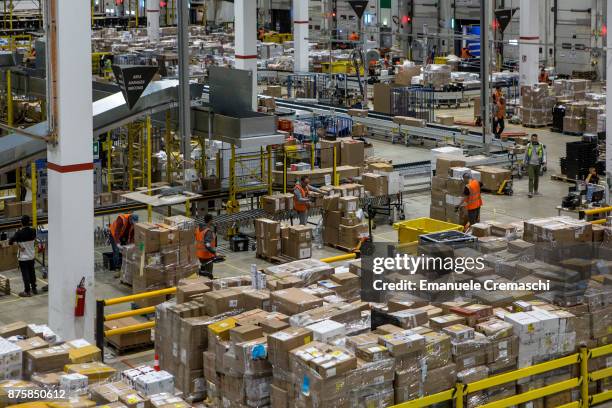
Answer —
406 19
604 30
163 4
495 24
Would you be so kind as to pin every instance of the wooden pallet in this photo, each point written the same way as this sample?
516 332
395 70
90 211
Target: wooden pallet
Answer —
535 126
5 286
339 247
134 348
280 259
561 177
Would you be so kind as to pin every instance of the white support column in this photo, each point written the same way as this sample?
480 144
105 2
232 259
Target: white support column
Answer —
609 89
153 20
445 11
300 36
245 32
529 39
70 174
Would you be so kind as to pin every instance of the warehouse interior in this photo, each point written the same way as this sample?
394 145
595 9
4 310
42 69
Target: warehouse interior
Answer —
305 203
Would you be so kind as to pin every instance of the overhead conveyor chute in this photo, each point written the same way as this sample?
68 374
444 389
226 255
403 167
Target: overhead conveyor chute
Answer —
108 113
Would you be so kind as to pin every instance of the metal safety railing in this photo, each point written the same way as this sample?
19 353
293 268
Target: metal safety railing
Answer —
101 318
101 304
460 392
595 211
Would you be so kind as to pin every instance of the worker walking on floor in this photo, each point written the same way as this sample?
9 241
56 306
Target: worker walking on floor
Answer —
206 245
535 158
473 200
122 233
25 239
499 117
301 199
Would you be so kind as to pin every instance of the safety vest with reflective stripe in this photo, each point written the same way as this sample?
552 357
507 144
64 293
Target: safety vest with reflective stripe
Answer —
501 110
474 200
539 151
120 227
297 204
202 251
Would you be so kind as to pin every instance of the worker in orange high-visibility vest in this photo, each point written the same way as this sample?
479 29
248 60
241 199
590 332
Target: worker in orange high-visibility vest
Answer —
353 36
473 200
301 199
122 233
206 245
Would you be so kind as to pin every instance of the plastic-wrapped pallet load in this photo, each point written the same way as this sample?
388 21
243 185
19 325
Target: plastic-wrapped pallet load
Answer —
536 105
436 75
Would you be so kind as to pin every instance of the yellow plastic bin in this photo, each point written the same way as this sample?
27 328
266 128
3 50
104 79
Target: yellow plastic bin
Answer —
411 230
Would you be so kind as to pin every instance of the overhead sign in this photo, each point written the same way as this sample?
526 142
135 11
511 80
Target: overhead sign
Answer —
359 7
133 80
504 16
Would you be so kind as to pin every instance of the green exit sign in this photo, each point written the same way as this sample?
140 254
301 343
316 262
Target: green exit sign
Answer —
385 4
96 150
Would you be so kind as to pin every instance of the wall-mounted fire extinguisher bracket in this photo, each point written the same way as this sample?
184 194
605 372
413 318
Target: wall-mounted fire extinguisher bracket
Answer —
79 305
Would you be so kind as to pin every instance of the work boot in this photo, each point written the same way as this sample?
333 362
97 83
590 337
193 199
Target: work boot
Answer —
530 195
34 291
25 294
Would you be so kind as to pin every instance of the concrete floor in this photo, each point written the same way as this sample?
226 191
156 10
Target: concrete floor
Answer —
500 208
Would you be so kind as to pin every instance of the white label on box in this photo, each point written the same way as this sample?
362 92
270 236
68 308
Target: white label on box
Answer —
470 361
331 372
79 343
304 253
233 303
281 336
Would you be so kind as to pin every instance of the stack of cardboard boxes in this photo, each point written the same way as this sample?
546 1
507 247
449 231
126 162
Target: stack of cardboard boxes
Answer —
436 76
447 191
17 209
376 184
275 239
277 203
536 105
571 89
162 254
594 124
574 120
341 227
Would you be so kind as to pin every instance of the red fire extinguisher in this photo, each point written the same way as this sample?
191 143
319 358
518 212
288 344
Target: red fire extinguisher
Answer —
79 306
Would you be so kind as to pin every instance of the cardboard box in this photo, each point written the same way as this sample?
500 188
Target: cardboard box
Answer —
352 153
221 301
444 164
282 342
408 121
8 257
273 204
349 235
13 329
348 204
445 119
402 343
437 213
492 177
376 184
127 339
293 301
45 360
327 153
